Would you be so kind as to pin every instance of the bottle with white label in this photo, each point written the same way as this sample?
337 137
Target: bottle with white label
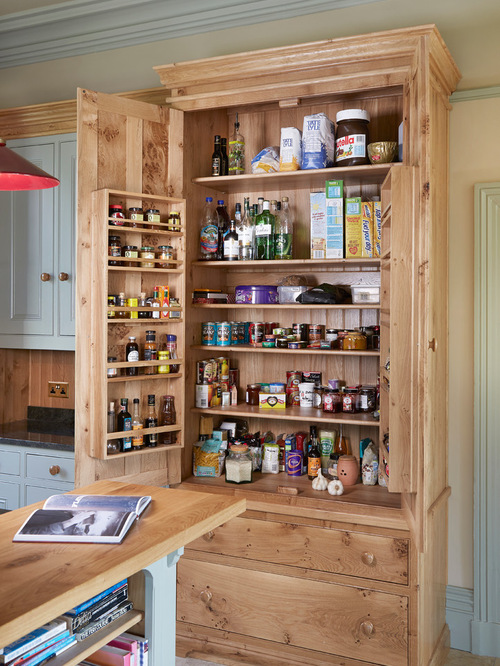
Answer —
231 248
246 233
264 233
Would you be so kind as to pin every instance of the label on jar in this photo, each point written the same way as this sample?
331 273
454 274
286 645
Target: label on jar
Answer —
133 356
352 145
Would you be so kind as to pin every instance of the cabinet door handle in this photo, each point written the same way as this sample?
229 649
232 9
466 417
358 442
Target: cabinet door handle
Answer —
367 628
433 344
209 535
63 277
54 469
206 596
45 277
368 559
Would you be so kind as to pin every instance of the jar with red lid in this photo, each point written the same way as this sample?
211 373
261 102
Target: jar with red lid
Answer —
332 400
352 137
116 212
350 399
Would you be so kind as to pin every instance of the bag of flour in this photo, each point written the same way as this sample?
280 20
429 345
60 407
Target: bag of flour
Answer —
290 149
318 142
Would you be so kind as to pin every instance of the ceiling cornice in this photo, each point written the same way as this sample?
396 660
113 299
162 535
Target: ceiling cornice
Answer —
79 27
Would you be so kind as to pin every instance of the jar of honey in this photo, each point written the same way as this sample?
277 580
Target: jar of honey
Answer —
354 340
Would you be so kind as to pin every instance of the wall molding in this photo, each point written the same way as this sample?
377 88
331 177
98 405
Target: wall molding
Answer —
88 26
475 94
486 624
459 616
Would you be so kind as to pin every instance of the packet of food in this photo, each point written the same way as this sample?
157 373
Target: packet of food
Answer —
290 149
267 161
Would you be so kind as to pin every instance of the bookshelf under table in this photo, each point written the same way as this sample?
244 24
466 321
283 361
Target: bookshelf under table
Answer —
42 580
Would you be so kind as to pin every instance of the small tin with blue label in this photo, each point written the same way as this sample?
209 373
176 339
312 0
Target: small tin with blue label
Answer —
208 336
223 333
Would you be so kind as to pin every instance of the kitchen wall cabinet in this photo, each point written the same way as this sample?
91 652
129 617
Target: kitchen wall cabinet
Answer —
239 588
38 251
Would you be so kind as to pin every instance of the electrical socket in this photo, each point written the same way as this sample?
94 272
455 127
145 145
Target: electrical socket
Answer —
58 389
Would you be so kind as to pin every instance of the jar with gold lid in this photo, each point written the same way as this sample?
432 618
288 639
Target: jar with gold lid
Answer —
354 341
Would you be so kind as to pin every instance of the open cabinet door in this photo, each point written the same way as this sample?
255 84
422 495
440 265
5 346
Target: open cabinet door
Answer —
124 146
399 335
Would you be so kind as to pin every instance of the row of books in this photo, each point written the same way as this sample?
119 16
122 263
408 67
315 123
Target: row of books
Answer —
77 624
124 650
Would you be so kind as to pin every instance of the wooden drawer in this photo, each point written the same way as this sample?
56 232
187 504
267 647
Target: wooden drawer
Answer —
335 619
10 462
50 467
321 548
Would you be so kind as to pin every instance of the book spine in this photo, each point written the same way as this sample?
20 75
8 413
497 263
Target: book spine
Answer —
90 602
32 640
38 648
50 652
99 624
101 608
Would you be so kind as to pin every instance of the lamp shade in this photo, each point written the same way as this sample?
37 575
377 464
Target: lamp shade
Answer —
16 173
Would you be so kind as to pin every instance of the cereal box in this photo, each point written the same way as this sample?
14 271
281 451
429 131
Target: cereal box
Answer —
318 225
377 227
353 235
334 190
367 229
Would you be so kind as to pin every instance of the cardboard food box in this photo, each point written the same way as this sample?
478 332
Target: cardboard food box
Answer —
353 235
318 225
334 203
367 229
377 227
272 400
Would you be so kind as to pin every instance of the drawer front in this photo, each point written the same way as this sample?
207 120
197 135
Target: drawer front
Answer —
10 462
335 619
33 493
50 467
9 495
321 548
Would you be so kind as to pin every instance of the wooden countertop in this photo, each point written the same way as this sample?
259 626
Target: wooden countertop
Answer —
39 581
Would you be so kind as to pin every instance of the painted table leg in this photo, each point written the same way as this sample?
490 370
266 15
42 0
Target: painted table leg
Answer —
160 609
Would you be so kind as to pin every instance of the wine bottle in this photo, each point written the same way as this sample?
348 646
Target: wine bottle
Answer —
231 250
216 157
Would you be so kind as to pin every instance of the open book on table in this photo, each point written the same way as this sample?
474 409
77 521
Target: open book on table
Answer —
83 518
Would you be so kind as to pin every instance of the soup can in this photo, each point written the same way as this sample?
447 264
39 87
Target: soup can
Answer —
235 335
223 333
208 336
256 332
300 331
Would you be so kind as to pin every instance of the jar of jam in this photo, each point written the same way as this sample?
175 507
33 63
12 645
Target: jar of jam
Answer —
130 252
147 252
367 399
354 340
332 400
114 250
174 221
153 217
112 372
318 396
252 394
350 399
136 216
166 254
331 334
340 339
352 137
116 213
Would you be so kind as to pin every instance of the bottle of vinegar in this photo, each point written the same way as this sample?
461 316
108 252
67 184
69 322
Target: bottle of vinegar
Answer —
236 151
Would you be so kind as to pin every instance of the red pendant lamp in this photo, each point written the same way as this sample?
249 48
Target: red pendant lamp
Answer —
16 173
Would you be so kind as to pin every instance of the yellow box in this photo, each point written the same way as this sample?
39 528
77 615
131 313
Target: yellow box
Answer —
377 227
367 229
272 400
353 233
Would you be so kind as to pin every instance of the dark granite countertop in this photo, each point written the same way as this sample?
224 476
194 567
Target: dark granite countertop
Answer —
26 433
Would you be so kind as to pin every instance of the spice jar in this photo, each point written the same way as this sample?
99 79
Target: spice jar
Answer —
116 212
112 300
354 340
350 399
239 464
367 399
165 254
114 250
112 372
163 355
167 418
133 303
153 217
130 252
136 216
147 252
252 394
352 137
174 221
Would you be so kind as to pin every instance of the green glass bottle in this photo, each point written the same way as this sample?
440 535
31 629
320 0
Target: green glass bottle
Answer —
264 233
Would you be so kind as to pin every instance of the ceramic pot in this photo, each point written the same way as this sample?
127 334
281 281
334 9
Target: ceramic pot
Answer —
348 470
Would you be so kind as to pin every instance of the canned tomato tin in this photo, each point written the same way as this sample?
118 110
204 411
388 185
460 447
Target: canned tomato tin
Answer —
256 332
293 462
316 332
293 378
223 333
208 336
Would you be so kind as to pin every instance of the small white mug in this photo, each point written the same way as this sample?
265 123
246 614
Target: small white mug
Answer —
306 392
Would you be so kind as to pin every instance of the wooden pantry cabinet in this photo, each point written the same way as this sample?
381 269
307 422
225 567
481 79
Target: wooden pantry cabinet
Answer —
305 577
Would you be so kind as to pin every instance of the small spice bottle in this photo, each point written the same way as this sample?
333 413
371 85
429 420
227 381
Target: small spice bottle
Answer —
153 217
112 300
147 252
150 352
174 221
239 464
165 254
114 250
112 372
130 252
163 355
136 216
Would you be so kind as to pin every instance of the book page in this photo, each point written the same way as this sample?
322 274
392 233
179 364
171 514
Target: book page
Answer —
122 503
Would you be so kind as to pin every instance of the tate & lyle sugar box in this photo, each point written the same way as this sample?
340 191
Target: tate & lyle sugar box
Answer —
318 225
334 190
353 239
377 227
367 229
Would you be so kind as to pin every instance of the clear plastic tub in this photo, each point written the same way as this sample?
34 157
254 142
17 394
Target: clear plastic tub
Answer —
289 294
365 294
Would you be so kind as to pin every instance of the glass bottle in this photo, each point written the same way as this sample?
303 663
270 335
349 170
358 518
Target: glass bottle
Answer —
216 157
283 235
143 314
150 352
131 356
156 304
260 206
209 232
167 418
342 447
246 231
225 159
137 424
313 455
172 350
124 424
151 421
223 222
264 234
121 303
236 151
238 467
113 445
231 249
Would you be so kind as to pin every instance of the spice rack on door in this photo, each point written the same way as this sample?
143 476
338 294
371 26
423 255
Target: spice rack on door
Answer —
111 332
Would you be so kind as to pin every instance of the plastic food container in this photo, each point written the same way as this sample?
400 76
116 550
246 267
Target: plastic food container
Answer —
364 294
289 294
261 293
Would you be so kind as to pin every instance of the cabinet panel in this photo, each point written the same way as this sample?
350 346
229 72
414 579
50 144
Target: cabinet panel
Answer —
10 462
35 493
66 240
50 467
337 551
9 495
348 621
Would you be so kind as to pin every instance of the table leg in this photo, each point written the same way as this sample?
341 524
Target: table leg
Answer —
160 609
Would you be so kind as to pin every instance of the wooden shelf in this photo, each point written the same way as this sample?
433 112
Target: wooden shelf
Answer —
139 378
304 414
139 269
372 174
285 264
135 230
148 321
146 364
284 306
145 451
143 431
77 653
277 350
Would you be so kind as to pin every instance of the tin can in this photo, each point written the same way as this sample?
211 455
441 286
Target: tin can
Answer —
223 333
205 372
203 396
294 462
300 331
246 339
235 333
268 327
208 336
316 332
281 343
293 397
256 333
293 378
297 344
279 332
222 372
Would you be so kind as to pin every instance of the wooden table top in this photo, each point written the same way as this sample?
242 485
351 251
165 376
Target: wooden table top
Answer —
39 581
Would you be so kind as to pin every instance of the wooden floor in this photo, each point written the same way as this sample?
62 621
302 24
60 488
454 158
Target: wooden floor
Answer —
455 658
